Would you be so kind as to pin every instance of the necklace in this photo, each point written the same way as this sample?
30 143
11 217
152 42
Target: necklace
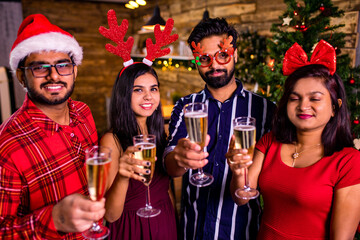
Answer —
296 154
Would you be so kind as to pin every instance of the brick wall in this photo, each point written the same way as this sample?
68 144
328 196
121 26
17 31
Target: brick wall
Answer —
99 69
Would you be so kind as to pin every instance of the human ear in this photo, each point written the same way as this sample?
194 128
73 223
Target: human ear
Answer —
21 76
75 72
235 55
339 102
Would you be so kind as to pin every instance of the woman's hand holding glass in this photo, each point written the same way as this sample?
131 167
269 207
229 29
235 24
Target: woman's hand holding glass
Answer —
147 146
245 134
130 167
237 159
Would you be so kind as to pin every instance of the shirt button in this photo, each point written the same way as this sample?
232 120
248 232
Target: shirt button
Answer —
72 134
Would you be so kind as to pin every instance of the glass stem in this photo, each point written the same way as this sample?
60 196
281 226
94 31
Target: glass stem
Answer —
246 186
148 203
200 170
95 227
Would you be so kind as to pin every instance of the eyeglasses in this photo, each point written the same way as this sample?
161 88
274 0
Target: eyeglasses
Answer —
222 57
44 70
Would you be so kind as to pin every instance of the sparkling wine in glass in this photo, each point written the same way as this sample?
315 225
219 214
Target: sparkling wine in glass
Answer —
97 168
196 120
147 153
245 138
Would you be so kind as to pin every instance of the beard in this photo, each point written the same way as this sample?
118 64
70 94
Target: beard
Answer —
217 82
39 98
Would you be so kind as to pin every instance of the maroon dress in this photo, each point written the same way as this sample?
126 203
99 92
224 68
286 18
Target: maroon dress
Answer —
131 226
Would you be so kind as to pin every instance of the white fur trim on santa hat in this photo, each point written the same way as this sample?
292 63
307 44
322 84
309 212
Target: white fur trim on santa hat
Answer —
50 41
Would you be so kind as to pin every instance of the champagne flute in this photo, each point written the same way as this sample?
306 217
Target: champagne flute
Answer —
196 120
147 153
97 167
245 138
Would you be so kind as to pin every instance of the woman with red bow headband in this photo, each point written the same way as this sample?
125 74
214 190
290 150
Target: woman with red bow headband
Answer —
306 168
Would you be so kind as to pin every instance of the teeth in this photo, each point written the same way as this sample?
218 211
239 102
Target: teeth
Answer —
53 87
146 105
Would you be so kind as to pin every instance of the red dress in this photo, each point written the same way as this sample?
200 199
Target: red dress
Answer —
131 226
297 201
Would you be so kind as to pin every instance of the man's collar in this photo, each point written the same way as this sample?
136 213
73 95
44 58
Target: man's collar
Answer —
44 122
238 91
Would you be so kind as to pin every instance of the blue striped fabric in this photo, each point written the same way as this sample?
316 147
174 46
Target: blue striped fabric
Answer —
210 212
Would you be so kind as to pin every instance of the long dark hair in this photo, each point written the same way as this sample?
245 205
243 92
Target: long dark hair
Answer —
336 134
210 27
123 122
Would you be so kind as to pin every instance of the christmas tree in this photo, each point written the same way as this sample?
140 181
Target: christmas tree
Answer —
251 52
307 22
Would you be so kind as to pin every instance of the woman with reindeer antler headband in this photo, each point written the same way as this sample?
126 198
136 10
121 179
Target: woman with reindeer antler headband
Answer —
135 109
306 168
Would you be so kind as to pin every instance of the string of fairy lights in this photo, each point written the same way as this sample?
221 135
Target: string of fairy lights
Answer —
166 64
135 4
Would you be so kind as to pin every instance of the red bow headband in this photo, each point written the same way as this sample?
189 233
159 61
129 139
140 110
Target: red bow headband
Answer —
296 57
116 33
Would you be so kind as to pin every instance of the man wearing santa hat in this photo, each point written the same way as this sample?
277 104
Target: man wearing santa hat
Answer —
43 184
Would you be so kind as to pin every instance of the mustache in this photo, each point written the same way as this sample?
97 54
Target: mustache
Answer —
52 82
215 71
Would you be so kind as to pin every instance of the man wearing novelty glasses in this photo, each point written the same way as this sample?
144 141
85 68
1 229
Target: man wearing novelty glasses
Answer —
209 212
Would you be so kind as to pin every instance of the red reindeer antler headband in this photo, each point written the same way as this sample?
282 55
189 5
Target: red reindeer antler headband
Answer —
117 33
296 57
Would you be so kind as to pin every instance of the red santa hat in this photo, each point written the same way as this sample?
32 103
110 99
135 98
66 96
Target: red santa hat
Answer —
37 34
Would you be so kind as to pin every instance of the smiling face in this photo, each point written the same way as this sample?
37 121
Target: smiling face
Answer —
52 89
216 75
309 106
145 97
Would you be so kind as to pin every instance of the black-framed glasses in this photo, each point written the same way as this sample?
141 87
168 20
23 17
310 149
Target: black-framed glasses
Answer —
44 70
221 57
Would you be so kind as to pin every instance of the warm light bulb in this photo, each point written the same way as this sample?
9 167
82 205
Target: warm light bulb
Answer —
271 63
129 6
141 2
134 4
152 27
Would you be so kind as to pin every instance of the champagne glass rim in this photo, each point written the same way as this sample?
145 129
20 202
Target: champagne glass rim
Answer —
195 103
142 135
244 121
96 148
145 136
195 107
244 117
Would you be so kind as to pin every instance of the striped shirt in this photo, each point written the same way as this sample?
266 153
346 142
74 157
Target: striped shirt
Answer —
41 162
209 212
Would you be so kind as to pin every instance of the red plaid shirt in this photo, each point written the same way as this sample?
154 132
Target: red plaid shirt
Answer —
41 162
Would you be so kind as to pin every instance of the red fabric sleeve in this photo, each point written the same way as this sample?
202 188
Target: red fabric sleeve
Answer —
264 143
349 168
